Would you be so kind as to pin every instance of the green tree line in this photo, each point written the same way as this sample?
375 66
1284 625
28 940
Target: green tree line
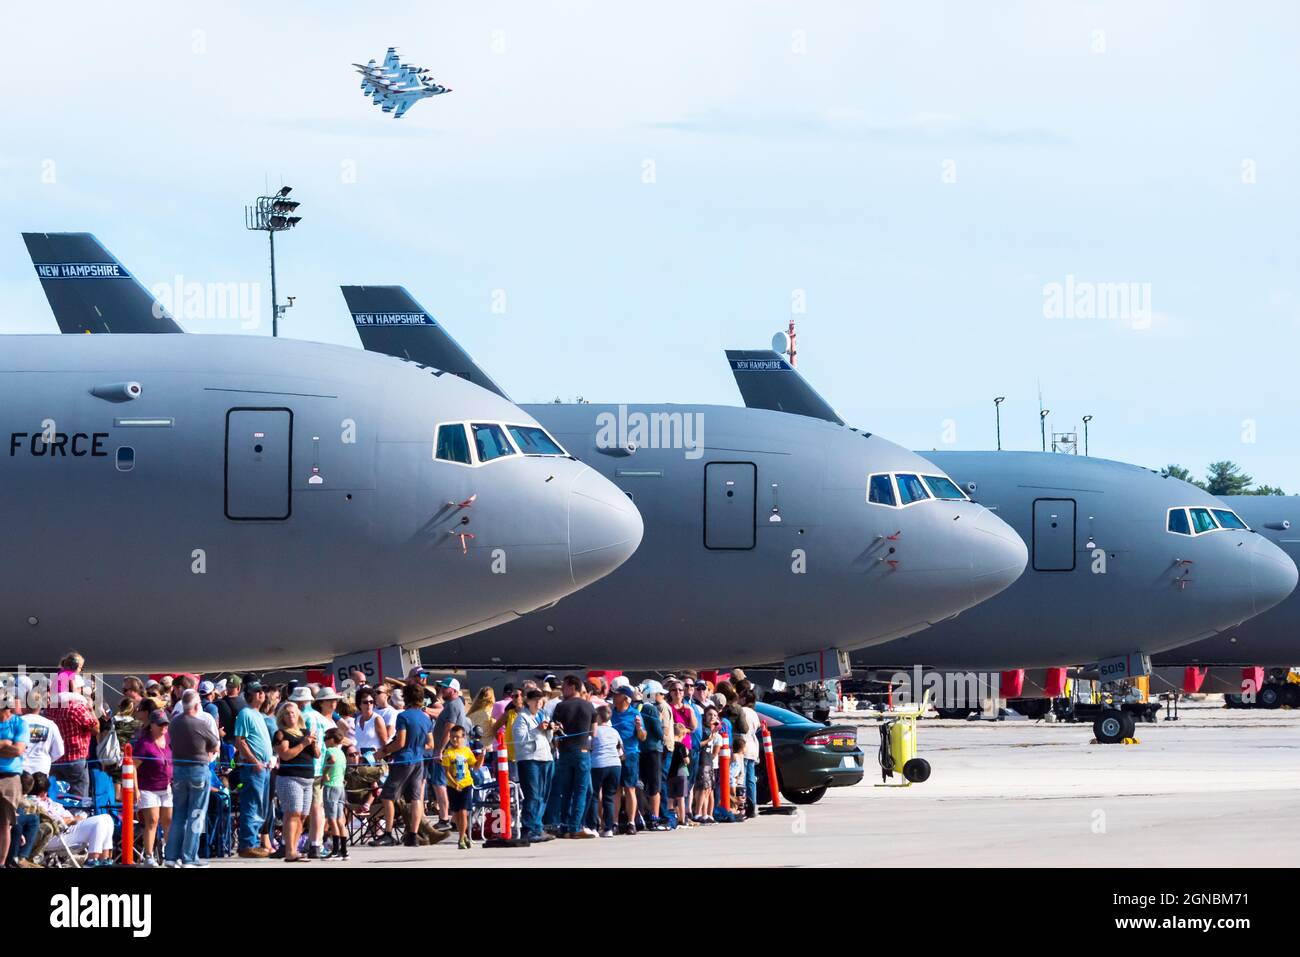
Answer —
1224 478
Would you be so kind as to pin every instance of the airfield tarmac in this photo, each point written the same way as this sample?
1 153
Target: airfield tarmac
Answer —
1218 786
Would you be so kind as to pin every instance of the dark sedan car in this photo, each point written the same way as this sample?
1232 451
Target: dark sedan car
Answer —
810 757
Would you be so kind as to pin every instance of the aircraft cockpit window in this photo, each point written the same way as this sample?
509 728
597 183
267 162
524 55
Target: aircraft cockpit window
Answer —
490 441
452 444
1229 519
910 489
880 489
1202 520
943 487
1178 523
534 440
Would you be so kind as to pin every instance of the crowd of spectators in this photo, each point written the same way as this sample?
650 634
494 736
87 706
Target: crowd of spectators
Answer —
299 771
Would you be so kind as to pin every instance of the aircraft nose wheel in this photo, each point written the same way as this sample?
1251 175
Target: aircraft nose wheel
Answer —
1112 726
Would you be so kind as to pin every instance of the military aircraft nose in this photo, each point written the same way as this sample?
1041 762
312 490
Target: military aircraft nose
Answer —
604 527
1273 574
998 555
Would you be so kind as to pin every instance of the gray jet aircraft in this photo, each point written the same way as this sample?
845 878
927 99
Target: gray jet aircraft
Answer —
205 501
1106 578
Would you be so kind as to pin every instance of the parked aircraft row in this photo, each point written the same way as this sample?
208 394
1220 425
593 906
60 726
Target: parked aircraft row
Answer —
778 531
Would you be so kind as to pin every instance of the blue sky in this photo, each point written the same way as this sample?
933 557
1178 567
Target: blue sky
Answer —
920 170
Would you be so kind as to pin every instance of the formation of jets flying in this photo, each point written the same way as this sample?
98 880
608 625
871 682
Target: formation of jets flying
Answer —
395 86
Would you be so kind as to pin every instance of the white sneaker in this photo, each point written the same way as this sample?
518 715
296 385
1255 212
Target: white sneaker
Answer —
196 864
171 863
606 833
589 831
148 862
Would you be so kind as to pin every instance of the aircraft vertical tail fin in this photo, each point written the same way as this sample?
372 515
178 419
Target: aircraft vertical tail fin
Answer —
89 290
768 381
390 322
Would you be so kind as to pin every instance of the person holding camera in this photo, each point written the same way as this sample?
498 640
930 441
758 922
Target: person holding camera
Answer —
532 736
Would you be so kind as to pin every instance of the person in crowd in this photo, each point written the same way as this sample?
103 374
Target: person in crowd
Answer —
627 721
606 772
370 730
77 725
679 775
297 749
153 780
231 702
345 719
710 747
208 692
683 713
481 714
512 704
194 742
253 751
413 738
336 827
458 763
532 737
44 742
317 713
69 680
13 746
384 707
752 747
26 836
572 720
93 833
452 715
739 799
653 750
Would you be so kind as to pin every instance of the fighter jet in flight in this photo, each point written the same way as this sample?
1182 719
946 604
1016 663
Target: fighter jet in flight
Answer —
396 86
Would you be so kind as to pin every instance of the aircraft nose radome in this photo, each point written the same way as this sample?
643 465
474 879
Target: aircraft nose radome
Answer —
1273 574
998 555
604 527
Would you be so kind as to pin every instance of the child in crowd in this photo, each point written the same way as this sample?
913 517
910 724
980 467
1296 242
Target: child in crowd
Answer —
710 747
738 756
458 762
679 774
335 768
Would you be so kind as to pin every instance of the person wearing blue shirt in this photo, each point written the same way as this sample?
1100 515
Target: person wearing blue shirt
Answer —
253 748
627 722
410 744
13 742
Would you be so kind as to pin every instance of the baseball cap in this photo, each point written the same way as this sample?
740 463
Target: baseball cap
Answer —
159 716
650 688
625 690
252 686
719 700
206 687
234 681
701 683
451 683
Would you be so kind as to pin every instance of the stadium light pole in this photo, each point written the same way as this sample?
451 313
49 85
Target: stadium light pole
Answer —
271 215
1086 420
1042 425
997 413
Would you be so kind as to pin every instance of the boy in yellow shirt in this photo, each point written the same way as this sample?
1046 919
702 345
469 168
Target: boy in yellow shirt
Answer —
458 761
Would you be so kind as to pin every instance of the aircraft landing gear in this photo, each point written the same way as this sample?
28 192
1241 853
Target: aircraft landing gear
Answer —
1112 726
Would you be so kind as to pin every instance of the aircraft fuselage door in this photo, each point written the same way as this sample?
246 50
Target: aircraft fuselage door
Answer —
1054 534
259 452
729 501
